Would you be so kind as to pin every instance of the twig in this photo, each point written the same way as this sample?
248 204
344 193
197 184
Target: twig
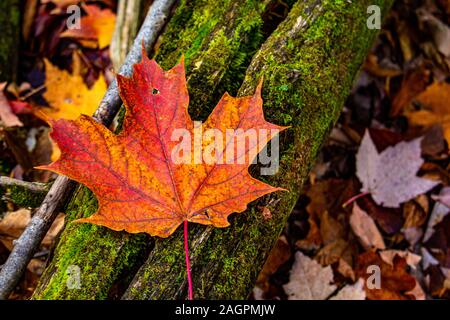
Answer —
62 188
354 198
33 187
32 92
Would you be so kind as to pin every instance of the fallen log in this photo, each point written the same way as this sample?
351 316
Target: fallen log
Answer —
214 38
309 63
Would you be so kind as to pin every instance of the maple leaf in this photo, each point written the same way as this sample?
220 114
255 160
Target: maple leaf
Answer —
435 108
308 280
68 95
396 282
139 186
390 176
351 292
97 25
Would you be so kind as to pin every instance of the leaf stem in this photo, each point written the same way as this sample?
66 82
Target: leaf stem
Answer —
354 198
188 263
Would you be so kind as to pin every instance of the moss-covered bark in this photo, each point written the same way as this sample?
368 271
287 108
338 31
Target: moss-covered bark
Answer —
23 194
9 39
308 64
214 37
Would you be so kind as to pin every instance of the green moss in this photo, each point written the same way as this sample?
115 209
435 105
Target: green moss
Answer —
10 22
25 198
101 255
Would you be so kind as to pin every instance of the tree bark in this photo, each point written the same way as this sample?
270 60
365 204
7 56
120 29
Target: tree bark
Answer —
308 64
230 32
10 38
130 14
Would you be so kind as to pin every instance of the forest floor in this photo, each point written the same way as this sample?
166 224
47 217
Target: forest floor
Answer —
332 237
402 93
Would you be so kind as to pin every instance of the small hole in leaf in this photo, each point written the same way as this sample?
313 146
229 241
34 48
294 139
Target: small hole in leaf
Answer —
155 91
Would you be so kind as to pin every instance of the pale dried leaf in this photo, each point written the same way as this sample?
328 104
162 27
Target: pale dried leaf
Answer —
443 197
417 292
8 118
365 229
411 259
437 215
345 269
308 280
427 259
352 292
390 176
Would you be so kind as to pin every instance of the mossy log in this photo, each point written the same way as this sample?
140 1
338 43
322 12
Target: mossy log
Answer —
308 63
230 32
9 39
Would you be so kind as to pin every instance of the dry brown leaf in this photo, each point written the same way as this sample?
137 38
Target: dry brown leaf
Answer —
13 224
333 252
330 229
395 280
308 280
365 229
435 108
279 255
411 259
417 292
345 269
313 239
413 83
372 66
7 116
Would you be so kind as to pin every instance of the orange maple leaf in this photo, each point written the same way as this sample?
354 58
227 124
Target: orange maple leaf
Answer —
139 185
97 26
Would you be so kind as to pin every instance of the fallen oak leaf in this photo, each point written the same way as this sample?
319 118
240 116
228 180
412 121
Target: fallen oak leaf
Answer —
139 186
390 176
